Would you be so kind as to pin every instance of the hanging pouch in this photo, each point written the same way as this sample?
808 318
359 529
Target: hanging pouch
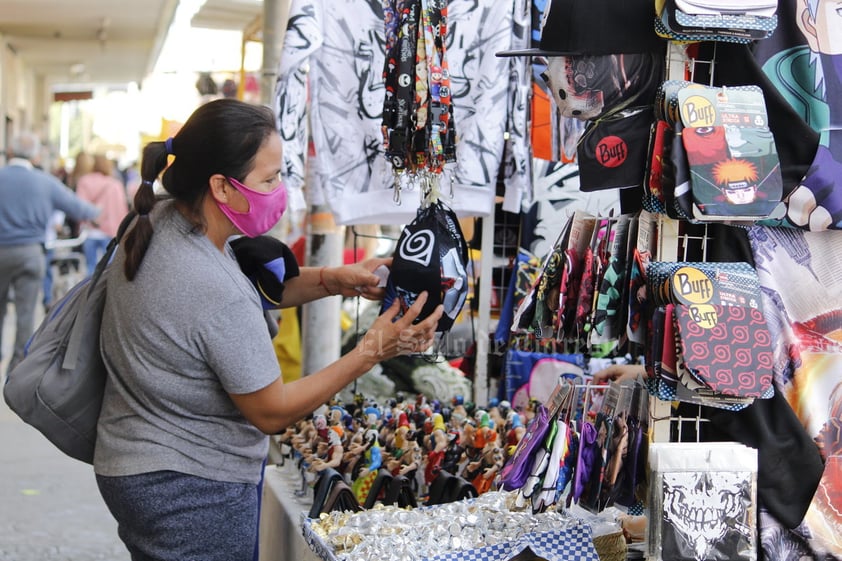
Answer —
588 449
539 466
516 471
546 495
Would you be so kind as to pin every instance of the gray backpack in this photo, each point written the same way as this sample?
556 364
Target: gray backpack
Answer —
57 387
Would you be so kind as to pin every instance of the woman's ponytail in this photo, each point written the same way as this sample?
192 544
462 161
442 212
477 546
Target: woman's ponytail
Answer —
138 238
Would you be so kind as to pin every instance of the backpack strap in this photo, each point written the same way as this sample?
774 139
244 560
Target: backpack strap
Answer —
72 353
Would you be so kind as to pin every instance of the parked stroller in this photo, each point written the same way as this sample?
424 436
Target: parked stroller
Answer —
67 264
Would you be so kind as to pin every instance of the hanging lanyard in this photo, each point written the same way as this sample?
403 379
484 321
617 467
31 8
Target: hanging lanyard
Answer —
391 19
439 139
417 125
399 74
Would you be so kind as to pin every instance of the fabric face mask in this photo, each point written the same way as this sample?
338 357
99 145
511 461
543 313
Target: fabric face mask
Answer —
265 209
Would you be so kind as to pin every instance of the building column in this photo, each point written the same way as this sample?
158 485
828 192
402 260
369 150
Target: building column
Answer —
275 15
321 331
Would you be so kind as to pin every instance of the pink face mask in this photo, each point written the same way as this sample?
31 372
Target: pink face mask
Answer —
265 209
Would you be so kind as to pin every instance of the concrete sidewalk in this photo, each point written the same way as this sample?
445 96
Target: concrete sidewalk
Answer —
50 508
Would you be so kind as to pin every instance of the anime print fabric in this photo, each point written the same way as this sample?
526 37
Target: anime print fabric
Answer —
799 274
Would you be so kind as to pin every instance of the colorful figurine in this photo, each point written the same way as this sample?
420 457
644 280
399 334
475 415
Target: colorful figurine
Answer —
372 460
436 445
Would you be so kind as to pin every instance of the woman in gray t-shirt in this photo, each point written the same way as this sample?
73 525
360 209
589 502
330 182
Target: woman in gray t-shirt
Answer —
193 382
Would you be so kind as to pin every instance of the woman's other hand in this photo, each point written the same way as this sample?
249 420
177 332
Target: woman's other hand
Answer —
619 372
358 279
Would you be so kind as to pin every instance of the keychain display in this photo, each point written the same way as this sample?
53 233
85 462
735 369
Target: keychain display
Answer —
419 132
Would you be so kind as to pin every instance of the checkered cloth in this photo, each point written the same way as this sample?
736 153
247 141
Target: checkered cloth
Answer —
573 544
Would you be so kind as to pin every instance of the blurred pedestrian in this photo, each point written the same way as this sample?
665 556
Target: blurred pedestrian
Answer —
83 163
131 179
29 198
102 189
55 228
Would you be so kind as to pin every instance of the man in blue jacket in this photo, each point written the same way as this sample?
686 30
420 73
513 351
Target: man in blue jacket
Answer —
29 196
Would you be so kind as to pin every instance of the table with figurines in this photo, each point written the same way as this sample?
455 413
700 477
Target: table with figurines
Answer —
420 480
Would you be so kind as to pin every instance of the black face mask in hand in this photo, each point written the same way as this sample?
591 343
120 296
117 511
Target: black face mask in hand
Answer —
268 263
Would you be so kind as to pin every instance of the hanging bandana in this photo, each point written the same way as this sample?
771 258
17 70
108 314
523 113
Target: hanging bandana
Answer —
418 133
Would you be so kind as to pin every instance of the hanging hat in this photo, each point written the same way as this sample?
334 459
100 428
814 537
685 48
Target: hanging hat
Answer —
595 27
587 87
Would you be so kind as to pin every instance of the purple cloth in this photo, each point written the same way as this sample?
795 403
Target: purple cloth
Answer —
517 469
587 451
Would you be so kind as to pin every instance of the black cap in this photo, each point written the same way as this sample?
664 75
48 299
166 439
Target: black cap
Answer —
595 27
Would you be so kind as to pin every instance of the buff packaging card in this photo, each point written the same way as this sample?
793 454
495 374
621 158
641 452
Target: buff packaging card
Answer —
723 283
734 168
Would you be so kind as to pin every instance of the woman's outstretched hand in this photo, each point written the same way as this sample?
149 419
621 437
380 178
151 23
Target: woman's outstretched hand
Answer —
390 336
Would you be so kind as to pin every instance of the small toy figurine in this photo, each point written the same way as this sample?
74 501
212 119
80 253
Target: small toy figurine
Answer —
285 442
371 416
372 459
487 468
404 456
499 414
317 446
332 457
458 411
411 462
320 423
469 430
304 434
514 433
485 435
351 460
304 443
436 445
387 431
530 410
452 454
334 420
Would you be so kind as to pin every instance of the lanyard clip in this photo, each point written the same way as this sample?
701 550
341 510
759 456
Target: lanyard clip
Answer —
438 114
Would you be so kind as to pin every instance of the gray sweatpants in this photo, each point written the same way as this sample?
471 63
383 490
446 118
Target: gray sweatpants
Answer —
22 270
171 516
